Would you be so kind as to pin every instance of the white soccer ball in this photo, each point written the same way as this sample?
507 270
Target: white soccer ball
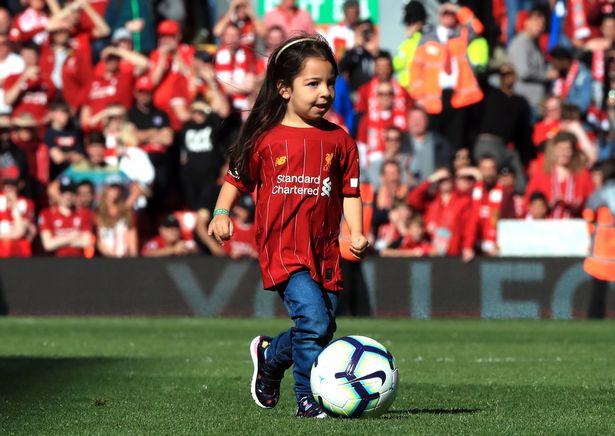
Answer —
354 377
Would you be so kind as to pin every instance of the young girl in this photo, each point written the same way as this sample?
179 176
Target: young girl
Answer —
306 171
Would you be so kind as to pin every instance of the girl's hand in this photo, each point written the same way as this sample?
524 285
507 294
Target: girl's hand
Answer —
221 228
358 246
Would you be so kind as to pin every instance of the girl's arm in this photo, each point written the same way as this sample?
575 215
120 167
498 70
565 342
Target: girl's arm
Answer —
353 213
221 226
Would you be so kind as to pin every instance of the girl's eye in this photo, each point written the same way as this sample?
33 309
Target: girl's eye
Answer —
313 84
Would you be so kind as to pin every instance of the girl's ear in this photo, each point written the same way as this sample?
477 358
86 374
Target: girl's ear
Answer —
284 90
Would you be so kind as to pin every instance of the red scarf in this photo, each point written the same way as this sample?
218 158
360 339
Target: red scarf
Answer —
562 202
598 65
561 87
580 29
400 108
488 205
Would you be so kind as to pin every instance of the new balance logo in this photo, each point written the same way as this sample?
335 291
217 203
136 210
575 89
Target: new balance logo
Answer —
326 187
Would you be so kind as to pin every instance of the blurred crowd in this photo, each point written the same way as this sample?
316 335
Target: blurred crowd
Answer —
115 117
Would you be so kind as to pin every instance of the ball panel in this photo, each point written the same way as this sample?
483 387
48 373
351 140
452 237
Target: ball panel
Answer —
354 376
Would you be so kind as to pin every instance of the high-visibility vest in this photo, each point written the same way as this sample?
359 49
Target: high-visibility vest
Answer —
429 61
367 199
600 263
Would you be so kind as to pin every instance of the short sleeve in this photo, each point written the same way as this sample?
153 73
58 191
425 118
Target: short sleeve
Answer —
235 179
349 165
44 223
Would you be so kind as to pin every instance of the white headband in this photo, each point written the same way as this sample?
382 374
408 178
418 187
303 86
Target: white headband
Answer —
289 44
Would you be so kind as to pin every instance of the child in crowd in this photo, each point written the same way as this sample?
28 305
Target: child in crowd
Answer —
413 243
538 207
169 241
306 170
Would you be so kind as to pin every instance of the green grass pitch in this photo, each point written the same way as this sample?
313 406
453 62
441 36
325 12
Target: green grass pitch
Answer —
73 376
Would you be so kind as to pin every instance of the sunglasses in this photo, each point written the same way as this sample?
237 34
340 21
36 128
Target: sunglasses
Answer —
384 93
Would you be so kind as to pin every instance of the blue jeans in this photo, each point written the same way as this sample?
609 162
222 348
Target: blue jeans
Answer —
312 310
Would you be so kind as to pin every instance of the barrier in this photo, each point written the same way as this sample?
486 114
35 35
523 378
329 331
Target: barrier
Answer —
534 288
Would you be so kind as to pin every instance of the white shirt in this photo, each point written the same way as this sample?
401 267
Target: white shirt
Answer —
13 64
136 165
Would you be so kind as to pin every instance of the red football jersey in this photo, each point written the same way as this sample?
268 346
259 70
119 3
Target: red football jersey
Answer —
302 175
16 247
105 92
156 243
57 223
76 70
242 243
35 96
173 87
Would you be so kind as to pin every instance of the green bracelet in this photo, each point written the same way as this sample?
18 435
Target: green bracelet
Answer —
221 212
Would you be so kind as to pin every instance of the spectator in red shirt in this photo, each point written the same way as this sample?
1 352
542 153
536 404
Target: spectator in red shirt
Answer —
29 91
241 14
169 241
25 136
171 65
132 63
492 202
448 215
67 55
30 24
112 88
546 128
243 242
413 241
368 101
564 179
16 221
235 67
372 127
65 230
10 63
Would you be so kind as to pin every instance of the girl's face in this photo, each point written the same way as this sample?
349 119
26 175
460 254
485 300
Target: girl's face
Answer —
312 92
563 153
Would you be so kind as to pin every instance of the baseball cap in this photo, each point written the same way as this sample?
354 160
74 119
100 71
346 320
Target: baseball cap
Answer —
121 34
168 27
170 221
144 84
67 185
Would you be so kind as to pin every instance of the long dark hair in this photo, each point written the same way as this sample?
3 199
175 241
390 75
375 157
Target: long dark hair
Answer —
285 63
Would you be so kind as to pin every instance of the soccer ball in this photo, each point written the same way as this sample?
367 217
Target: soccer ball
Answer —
354 377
